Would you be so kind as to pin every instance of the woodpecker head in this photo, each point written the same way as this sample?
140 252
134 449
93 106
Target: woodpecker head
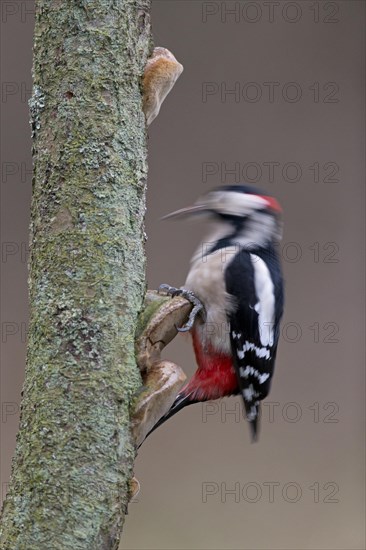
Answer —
241 209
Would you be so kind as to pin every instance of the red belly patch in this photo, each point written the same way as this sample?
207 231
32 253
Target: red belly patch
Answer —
215 376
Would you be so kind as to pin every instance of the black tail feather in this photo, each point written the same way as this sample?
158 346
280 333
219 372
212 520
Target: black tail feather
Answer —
254 429
254 421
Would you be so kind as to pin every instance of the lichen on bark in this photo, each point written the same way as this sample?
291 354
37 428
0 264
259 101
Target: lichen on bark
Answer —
74 453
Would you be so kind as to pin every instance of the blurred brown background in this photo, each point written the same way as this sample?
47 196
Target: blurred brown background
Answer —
294 125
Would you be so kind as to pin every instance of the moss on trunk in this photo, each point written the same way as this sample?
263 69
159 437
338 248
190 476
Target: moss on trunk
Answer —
74 454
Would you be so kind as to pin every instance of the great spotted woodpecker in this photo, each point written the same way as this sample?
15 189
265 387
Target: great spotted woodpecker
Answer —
235 280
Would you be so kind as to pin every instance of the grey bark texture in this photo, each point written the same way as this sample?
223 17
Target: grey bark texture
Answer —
74 453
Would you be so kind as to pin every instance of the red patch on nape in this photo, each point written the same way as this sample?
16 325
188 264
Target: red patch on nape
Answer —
215 376
272 203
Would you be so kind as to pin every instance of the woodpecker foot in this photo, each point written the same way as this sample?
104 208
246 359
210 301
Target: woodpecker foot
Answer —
191 297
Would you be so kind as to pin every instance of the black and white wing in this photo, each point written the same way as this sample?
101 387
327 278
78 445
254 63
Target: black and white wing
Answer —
254 279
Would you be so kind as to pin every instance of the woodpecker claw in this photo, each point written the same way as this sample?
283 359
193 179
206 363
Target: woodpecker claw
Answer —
191 297
198 307
169 290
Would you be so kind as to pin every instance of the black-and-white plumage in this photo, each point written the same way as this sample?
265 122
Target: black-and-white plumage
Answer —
254 324
236 274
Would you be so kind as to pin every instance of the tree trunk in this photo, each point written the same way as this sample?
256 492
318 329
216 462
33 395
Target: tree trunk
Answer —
74 455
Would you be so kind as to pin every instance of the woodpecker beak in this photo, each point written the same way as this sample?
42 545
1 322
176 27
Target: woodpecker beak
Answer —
188 211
